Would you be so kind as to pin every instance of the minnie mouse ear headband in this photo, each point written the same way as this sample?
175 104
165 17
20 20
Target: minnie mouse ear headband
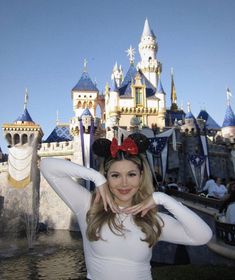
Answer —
134 144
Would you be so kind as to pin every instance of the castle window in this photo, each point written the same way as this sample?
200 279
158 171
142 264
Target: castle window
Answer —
24 139
16 139
31 138
9 138
139 97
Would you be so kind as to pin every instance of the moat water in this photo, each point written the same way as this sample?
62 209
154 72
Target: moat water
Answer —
56 255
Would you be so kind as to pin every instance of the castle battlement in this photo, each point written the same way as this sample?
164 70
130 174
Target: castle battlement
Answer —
56 149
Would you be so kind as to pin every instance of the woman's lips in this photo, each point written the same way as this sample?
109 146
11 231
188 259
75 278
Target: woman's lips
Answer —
126 191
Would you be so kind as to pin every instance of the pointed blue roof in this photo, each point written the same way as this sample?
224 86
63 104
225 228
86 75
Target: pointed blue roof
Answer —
229 119
114 86
171 116
160 87
189 115
125 88
147 30
85 84
60 133
25 117
209 121
86 112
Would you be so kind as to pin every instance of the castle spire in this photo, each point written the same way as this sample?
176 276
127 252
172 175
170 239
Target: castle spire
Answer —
147 31
148 47
26 98
173 93
57 118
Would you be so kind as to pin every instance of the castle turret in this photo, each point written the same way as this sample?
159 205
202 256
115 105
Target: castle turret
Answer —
228 127
84 95
23 131
112 105
148 51
190 121
117 74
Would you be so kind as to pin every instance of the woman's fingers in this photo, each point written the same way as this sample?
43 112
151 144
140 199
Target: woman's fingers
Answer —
108 199
142 207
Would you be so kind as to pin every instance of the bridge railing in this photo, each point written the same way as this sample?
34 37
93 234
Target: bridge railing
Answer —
195 198
225 232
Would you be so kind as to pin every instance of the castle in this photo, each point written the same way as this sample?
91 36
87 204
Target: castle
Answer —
183 145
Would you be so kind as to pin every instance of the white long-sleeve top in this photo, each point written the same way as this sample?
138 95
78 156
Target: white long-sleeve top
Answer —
120 257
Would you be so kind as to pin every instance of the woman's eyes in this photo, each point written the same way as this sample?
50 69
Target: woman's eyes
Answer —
117 175
132 174
114 175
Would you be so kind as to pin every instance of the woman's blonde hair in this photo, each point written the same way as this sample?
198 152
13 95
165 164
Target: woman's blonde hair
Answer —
149 224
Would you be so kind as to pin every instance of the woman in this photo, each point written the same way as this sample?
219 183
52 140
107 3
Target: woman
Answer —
119 222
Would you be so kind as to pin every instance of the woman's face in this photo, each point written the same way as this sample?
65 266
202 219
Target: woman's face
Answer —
124 179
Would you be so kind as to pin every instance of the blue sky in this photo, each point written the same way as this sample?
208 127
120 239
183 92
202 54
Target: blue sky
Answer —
43 44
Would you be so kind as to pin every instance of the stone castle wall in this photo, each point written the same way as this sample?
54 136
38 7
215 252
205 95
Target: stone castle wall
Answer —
56 214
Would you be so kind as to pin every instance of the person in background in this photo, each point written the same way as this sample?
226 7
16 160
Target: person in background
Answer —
210 182
228 207
217 190
120 222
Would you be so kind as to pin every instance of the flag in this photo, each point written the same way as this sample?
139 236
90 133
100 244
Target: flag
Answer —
197 164
229 95
26 98
157 144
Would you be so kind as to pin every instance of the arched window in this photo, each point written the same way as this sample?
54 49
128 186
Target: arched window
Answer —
138 96
31 138
9 138
16 139
84 105
79 105
24 139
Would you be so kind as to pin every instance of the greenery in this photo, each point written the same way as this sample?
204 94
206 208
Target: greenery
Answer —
193 272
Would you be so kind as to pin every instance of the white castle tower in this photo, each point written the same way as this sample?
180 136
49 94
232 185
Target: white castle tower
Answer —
20 187
148 47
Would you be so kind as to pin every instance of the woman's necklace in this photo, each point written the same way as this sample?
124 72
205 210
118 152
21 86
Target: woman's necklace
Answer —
121 218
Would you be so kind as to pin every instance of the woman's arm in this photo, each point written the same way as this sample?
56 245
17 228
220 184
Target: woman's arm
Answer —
60 174
185 227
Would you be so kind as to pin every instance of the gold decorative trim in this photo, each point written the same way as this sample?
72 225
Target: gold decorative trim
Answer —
19 184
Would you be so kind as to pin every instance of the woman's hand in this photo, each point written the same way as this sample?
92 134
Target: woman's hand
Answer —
142 207
104 192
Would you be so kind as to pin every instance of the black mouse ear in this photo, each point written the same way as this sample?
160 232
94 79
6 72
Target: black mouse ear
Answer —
141 141
101 147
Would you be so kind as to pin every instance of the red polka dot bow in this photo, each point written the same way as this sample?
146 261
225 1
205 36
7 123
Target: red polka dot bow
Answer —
129 146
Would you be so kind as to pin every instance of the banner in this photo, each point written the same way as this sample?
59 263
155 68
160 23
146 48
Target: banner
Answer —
197 164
